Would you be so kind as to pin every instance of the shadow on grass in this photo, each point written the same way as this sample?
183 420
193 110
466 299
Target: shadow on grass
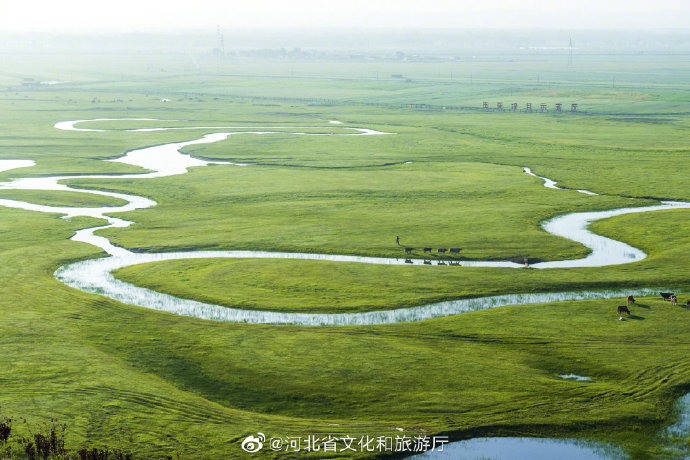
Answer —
635 317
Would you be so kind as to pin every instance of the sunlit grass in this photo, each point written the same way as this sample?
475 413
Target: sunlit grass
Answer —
159 384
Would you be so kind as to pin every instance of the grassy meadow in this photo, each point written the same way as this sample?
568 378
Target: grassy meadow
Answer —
449 174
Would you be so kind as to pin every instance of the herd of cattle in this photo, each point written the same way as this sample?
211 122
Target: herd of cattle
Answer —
440 250
622 309
670 296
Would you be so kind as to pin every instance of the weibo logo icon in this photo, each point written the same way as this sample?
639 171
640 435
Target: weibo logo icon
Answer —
253 444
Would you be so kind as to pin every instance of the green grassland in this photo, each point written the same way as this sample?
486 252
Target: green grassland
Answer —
324 210
319 286
53 198
157 385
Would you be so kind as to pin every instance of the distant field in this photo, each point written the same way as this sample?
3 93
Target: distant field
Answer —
159 385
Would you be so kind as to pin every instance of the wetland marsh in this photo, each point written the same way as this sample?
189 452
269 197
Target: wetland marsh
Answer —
157 384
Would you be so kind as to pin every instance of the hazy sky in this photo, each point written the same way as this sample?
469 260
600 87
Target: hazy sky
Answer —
156 15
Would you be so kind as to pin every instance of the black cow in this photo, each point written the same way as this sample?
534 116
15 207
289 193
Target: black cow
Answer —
427 249
408 250
442 250
623 309
666 295
455 250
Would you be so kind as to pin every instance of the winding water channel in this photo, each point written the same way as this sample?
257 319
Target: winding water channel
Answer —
94 276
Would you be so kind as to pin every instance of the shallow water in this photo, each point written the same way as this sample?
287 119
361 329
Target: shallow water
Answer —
578 378
95 276
524 448
681 427
6 165
549 183
605 251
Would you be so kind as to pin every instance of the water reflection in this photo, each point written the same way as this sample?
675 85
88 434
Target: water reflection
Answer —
524 448
677 436
95 276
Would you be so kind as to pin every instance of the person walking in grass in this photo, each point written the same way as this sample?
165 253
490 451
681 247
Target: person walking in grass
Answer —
397 240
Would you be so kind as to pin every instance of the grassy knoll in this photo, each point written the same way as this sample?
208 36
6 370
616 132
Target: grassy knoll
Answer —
157 384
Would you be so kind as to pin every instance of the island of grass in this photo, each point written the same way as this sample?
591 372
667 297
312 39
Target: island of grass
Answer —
62 199
307 286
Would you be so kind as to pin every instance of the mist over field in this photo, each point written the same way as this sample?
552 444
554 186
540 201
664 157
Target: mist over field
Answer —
539 57
356 42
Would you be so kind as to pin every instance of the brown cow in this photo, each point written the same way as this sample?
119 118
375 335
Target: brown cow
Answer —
623 309
631 300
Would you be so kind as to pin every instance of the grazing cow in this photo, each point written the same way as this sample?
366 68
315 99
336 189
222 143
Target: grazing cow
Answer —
442 250
687 304
631 300
623 309
408 250
666 295
455 250
427 249
674 300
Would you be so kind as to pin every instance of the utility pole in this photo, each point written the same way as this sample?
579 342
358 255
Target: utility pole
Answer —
221 42
220 50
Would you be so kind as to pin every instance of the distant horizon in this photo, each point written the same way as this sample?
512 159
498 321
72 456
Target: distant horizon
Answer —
343 29
156 16
367 41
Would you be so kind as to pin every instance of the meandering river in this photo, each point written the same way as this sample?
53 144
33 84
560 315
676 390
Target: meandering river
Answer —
95 276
